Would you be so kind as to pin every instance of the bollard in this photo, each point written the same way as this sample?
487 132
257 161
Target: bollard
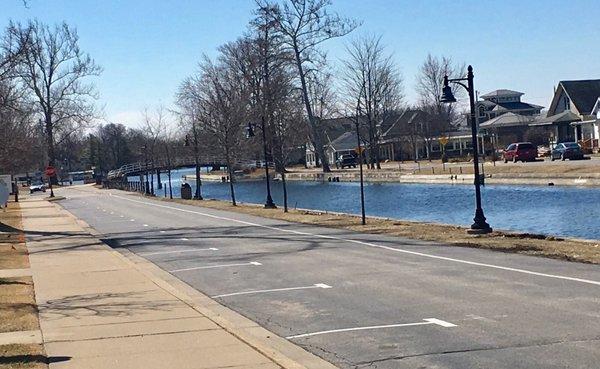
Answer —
16 191
460 169
432 170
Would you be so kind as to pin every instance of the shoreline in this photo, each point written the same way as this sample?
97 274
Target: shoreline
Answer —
538 179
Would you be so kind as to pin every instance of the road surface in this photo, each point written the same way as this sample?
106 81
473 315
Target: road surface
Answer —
360 300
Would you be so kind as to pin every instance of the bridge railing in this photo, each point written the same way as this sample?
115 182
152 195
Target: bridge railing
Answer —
163 164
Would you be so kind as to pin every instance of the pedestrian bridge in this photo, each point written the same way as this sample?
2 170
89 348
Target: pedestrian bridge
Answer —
163 164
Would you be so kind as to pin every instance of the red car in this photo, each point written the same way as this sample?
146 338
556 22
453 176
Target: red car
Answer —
523 151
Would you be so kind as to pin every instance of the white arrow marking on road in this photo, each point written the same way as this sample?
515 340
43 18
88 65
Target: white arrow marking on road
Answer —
425 322
215 266
318 285
175 252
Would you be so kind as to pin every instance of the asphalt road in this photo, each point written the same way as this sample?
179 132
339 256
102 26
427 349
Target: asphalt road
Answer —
365 301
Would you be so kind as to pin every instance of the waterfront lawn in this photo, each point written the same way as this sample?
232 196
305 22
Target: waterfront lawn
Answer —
521 243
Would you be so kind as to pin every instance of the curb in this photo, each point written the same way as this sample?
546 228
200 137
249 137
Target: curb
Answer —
278 349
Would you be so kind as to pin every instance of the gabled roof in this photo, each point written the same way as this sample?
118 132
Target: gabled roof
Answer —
566 116
509 119
347 141
397 128
596 107
583 94
335 127
501 92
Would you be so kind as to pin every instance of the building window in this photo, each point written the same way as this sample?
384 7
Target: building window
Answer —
482 111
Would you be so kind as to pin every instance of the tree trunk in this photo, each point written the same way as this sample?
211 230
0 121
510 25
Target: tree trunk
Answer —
285 195
311 118
159 183
230 171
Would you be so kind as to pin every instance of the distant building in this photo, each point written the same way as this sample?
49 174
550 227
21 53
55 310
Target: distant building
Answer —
499 102
571 114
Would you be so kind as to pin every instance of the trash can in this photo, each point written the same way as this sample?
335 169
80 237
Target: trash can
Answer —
186 191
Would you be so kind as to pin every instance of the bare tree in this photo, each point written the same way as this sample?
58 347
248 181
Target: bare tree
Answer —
154 125
55 69
304 25
430 81
372 79
220 103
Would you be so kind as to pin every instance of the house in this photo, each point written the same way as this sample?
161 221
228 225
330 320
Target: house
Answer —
347 143
570 115
332 129
507 128
396 135
500 102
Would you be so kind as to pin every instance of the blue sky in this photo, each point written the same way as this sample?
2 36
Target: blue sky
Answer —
148 47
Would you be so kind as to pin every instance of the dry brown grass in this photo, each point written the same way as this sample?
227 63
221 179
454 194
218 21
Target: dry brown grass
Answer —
22 357
18 311
529 244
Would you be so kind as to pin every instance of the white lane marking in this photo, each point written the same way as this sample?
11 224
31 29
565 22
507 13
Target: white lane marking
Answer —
145 225
176 252
317 285
122 216
162 231
425 322
215 266
516 270
112 213
132 220
184 239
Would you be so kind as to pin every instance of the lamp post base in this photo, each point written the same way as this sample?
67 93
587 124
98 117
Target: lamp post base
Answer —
479 225
270 204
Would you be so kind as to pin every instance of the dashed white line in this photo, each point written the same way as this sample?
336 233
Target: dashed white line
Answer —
317 285
425 322
369 244
145 225
184 239
215 266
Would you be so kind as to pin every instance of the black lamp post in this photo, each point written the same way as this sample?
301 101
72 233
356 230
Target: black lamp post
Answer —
145 147
269 204
198 194
479 225
360 165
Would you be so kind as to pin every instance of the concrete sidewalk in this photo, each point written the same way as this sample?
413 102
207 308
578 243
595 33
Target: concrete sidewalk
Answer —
100 309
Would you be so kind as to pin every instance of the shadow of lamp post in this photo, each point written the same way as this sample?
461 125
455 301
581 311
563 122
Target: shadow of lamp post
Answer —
479 226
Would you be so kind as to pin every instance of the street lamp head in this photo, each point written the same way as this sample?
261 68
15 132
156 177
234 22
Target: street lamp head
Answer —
249 131
447 95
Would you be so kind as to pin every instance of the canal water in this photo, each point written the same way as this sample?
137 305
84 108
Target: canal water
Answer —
560 211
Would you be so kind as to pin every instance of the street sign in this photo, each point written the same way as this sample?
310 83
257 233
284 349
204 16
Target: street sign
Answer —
50 171
443 140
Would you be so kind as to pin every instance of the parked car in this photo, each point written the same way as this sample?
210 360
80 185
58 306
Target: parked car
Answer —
567 150
346 160
523 151
37 187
